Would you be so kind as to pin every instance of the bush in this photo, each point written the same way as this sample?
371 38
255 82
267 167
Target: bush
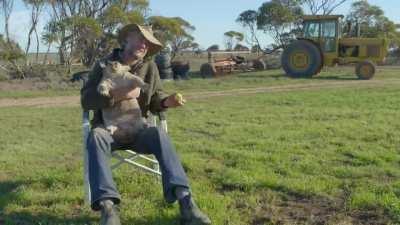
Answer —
391 60
42 77
273 63
3 76
10 51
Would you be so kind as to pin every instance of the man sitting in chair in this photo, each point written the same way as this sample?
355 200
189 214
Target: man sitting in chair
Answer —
137 46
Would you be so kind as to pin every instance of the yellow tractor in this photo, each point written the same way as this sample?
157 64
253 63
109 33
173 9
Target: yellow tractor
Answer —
322 44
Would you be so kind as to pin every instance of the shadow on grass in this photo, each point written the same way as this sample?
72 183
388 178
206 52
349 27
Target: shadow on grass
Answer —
10 193
261 76
334 78
297 207
276 76
155 220
280 76
291 206
28 218
194 74
8 190
338 77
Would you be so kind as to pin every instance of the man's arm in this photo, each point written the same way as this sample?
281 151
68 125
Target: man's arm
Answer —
158 95
91 99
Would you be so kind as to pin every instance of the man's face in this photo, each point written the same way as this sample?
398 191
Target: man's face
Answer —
136 47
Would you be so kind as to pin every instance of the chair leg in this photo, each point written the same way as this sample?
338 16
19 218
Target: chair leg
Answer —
155 170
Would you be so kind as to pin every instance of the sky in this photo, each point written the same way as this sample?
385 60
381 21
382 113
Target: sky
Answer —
212 18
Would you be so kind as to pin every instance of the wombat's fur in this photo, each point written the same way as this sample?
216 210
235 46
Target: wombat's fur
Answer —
124 119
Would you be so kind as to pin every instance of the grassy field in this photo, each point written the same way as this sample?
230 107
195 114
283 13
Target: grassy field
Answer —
196 84
318 156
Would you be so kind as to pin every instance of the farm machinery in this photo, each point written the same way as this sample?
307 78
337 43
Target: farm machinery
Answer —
322 44
218 66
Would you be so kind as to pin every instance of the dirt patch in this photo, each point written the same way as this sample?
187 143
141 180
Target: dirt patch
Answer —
41 101
24 85
293 87
315 210
74 100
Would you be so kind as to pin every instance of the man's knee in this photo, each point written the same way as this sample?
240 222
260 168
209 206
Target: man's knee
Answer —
156 136
99 137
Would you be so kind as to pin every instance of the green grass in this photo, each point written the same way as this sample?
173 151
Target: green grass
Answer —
227 82
298 157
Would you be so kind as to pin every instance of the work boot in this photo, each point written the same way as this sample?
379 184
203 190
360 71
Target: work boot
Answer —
109 213
190 213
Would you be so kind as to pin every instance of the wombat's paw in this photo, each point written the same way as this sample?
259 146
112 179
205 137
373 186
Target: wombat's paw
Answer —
103 90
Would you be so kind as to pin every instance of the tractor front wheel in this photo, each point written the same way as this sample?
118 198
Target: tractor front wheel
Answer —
301 58
365 70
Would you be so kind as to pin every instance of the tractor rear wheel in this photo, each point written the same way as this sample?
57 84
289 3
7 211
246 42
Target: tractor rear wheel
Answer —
365 70
301 58
207 70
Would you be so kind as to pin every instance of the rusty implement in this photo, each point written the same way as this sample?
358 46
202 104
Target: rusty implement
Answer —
221 66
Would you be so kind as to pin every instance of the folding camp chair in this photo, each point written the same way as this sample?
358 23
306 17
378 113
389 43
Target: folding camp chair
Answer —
145 163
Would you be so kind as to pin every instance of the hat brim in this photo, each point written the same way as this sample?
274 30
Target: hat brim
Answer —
154 44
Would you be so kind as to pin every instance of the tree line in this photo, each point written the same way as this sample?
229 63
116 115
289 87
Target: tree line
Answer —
281 21
85 30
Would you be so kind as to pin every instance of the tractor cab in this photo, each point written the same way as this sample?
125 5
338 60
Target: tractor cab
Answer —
325 31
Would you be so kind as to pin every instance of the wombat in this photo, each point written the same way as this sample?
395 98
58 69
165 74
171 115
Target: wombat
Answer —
124 119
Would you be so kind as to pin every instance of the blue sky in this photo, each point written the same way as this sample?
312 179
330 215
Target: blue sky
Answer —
212 18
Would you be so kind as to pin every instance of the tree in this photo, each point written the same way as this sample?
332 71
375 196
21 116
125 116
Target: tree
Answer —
9 50
195 46
36 9
280 19
248 19
240 47
324 7
86 29
372 21
7 7
87 32
48 39
256 49
61 24
173 32
212 48
232 38
10 53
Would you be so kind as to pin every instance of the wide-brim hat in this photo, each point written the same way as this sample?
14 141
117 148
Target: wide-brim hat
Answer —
155 45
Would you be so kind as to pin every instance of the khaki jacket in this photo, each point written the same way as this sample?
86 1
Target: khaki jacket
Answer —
149 100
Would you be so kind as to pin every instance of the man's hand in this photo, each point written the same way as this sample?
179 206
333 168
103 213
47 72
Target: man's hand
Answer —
125 93
174 100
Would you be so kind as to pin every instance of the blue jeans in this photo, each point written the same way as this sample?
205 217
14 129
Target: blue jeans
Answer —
150 140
